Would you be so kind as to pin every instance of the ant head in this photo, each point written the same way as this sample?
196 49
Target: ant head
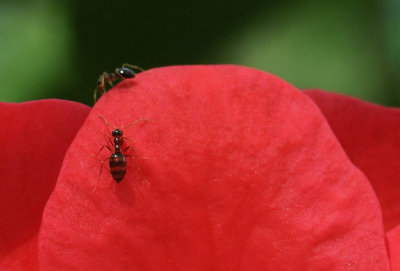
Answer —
125 72
117 133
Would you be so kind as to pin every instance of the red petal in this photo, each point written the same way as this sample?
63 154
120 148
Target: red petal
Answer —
393 240
244 173
33 141
370 136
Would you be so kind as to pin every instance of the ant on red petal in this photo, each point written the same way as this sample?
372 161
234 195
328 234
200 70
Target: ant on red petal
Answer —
126 71
118 158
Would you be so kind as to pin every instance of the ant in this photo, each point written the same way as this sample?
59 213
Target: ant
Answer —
118 158
126 71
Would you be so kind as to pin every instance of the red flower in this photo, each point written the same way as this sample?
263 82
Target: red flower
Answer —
239 171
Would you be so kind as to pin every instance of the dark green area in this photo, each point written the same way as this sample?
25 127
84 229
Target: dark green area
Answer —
54 50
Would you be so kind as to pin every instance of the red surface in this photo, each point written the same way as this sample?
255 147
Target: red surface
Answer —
370 136
393 241
33 141
241 172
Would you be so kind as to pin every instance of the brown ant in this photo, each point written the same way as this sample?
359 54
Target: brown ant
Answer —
118 158
126 71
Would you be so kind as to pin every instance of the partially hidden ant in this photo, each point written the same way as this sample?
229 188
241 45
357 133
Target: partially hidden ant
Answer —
124 72
118 158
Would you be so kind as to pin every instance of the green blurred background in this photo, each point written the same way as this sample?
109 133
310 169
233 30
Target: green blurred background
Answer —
55 49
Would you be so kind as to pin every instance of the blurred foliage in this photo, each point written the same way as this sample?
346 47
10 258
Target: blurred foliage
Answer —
34 50
53 49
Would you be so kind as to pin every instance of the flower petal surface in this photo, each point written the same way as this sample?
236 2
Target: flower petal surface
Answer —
33 141
236 170
370 136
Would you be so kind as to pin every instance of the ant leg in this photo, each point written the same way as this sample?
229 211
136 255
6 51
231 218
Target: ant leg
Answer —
126 65
127 148
126 138
110 78
95 94
102 147
135 123
138 168
134 151
134 160
106 121
101 168
100 85
109 138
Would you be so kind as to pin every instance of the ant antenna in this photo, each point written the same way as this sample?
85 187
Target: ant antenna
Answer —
123 126
135 123
106 121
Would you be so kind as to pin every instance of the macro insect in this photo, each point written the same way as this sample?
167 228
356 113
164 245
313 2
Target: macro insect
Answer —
117 159
109 78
